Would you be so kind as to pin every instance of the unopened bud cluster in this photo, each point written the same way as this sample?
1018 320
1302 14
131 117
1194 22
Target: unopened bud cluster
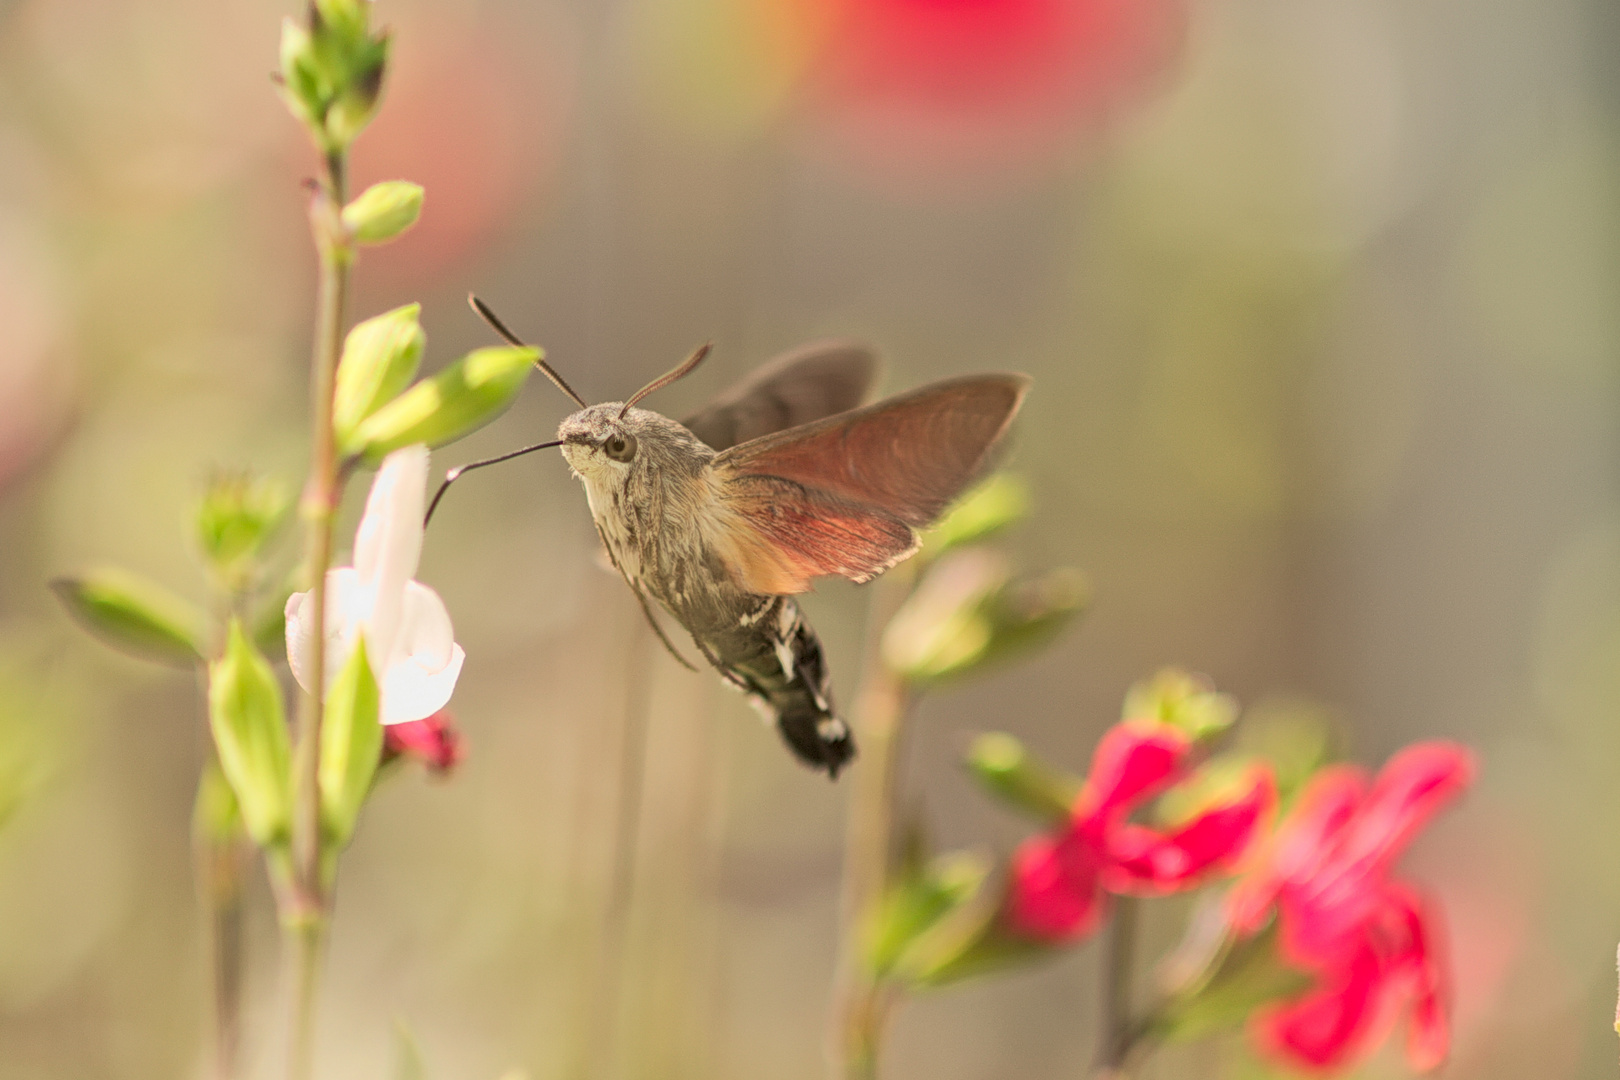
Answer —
332 68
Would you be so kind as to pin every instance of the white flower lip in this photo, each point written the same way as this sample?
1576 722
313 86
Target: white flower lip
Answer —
409 639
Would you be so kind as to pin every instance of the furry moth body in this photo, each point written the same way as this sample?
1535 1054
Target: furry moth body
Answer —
787 483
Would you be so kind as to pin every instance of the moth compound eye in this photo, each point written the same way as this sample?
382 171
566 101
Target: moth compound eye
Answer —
620 447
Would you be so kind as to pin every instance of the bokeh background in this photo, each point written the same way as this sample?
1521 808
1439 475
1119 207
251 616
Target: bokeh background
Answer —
1321 303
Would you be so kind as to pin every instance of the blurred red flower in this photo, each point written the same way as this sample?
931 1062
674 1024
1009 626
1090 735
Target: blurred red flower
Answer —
1370 940
985 81
1061 882
434 741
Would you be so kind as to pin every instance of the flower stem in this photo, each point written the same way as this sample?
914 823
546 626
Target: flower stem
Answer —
306 945
220 866
304 903
1119 1029
861 1001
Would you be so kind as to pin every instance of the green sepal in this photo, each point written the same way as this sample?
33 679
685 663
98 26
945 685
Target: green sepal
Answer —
1008 771
250 735
1182 700
1241 976
134 615
916 901
380 358
972 940
383 211
456 402
351 745
999 502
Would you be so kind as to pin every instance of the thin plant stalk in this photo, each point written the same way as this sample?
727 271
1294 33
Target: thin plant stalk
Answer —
608 990
1119 1027
861 1003
304 903
220 870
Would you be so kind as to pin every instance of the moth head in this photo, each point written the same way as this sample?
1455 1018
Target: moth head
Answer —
599 443
609 443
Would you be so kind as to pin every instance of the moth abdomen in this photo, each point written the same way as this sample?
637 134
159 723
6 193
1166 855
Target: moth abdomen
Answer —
770 653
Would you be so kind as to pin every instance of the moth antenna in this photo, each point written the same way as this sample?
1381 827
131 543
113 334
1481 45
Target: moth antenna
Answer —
456 473
668 377
512 339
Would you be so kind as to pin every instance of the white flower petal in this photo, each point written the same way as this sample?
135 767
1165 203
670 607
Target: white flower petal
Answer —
413 690
425 633
388 543
348 603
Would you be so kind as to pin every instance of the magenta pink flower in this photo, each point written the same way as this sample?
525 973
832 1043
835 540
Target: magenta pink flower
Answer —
1060 882
434 741
1372 942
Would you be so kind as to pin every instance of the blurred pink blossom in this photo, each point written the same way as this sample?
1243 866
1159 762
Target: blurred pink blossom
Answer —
1370 940
984 83
1060 883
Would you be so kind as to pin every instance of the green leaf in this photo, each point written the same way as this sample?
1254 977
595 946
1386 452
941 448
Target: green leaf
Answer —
1182 700
917 901
383 211
380 358
456 402
999 502
1008 771
134 615
351 745
250 736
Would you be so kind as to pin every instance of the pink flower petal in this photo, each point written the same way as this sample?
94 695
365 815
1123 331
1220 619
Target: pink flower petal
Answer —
1054 889
1133 761
1147 863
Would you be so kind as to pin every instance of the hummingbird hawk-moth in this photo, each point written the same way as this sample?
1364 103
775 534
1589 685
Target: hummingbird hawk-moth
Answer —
723 517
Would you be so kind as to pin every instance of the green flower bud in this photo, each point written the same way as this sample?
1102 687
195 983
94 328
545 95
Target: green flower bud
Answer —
301 83
997 503
351 745
1008 771
944 627
134 615
215 816
356 101
966 614
456 402
1183 700
237 515
380 358
383 211
344 19
250 736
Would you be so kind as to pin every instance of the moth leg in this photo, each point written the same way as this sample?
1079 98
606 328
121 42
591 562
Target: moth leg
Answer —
652 621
